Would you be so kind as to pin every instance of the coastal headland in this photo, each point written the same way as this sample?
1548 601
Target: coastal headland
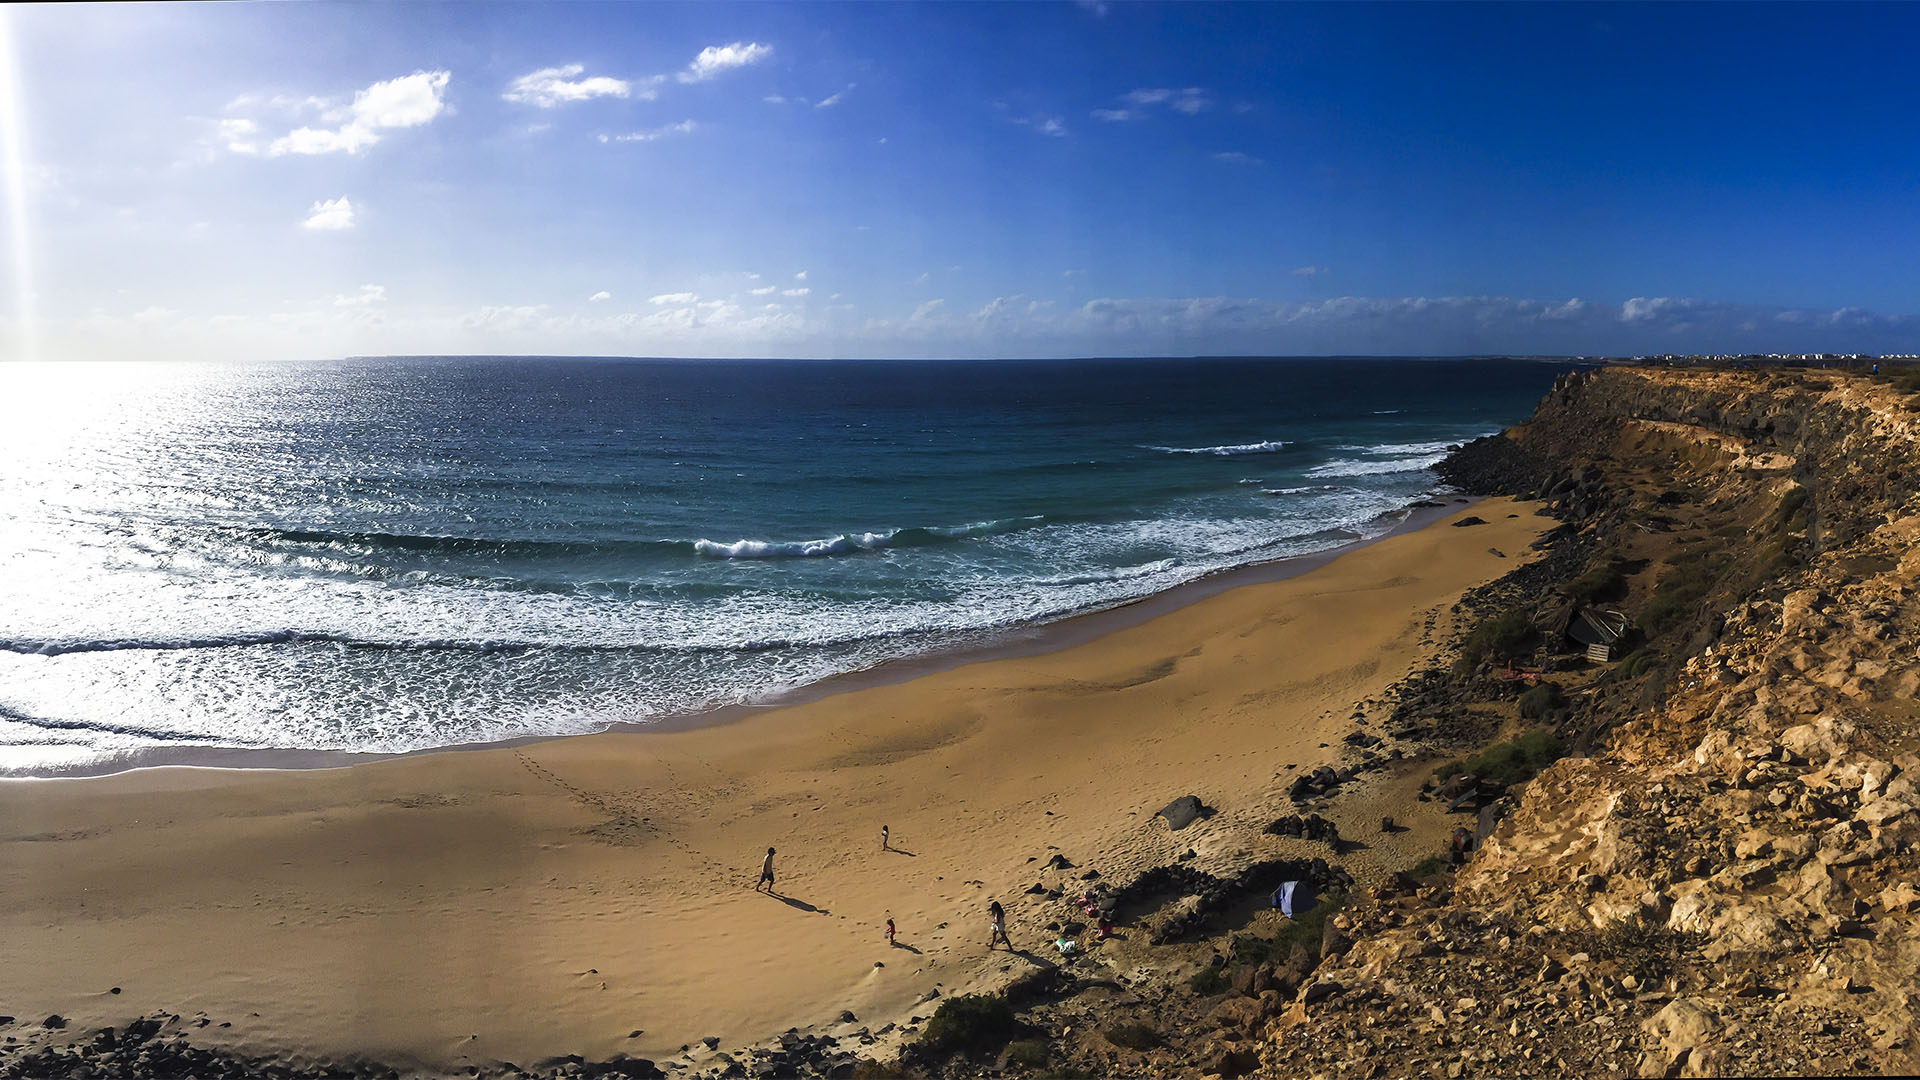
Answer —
594 895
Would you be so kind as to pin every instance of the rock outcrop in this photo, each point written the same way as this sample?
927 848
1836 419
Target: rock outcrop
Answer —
1724 884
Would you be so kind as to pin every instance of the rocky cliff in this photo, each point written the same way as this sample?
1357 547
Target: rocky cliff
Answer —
1724 882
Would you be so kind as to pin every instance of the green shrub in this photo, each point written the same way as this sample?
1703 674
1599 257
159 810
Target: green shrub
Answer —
1543 701
869 1069
1133 1035
1508 762
973 1023
1208 980
1789 510
1645 948
1030 1053
1429 866
1603 582
1688 579
1636 662
1507 634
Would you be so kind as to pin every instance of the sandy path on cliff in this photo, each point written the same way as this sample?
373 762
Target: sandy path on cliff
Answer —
519 903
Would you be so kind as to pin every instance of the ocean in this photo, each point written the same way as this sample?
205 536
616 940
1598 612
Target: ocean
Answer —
394 554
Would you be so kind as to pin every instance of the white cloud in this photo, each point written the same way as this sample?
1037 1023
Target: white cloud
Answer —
1044 124
925 310
1308 271
1235 157
1190 101
408 101
684 127
801 276
1644 309
718 59
922 279
599 296
331 215
796 292
674 298
553 86
781 99
368 295
1073 273
763 291
239 133
834 99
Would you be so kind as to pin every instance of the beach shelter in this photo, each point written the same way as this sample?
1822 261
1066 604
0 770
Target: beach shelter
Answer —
1599 631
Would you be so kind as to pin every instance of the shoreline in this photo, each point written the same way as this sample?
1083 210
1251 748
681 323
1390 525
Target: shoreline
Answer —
592 895
1009 642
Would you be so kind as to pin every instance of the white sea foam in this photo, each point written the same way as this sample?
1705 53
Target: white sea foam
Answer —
1351 467
773 549
1267 447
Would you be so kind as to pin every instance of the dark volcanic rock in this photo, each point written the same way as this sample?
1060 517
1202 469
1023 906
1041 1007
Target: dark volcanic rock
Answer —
1184 811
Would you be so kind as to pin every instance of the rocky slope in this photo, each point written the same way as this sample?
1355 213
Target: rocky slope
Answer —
1725 884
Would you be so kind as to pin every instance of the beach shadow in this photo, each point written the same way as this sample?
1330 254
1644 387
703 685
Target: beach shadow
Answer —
909 948
802 905
901 851
1345 845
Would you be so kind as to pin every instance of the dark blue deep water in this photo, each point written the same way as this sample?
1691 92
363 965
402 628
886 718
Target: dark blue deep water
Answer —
393 554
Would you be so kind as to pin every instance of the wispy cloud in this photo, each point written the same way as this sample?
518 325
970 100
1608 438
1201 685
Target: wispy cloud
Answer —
1308 271
599 296
674 298
1235 157
764 290
331 215
834 99
367 296
796 292
550 87
1190 101
684 127
405 102
716 60
801 276
1044 123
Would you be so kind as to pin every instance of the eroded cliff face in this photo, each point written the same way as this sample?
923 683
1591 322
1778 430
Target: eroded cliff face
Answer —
1726 883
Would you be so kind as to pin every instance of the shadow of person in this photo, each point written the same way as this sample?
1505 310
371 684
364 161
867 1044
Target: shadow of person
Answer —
796 902
901 851
909 948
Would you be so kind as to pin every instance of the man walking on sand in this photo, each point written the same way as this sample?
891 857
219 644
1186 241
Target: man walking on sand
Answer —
766 874
883 838
999 916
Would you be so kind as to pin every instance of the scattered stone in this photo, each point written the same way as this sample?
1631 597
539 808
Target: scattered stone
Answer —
1184 811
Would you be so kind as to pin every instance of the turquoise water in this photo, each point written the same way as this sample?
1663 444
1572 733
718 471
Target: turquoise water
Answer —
394 554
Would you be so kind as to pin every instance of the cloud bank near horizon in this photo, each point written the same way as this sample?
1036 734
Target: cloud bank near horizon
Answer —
751 322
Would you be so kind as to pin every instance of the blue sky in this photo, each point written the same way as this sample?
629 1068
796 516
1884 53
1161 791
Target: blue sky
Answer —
295 180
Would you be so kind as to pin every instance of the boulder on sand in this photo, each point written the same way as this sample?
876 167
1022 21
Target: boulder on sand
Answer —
1183 811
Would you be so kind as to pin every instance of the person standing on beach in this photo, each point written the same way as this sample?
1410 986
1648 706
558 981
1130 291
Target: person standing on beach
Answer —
999 916
889 928
883 838
766 874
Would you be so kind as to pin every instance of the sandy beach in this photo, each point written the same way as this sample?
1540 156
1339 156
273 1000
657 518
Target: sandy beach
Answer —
525 902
